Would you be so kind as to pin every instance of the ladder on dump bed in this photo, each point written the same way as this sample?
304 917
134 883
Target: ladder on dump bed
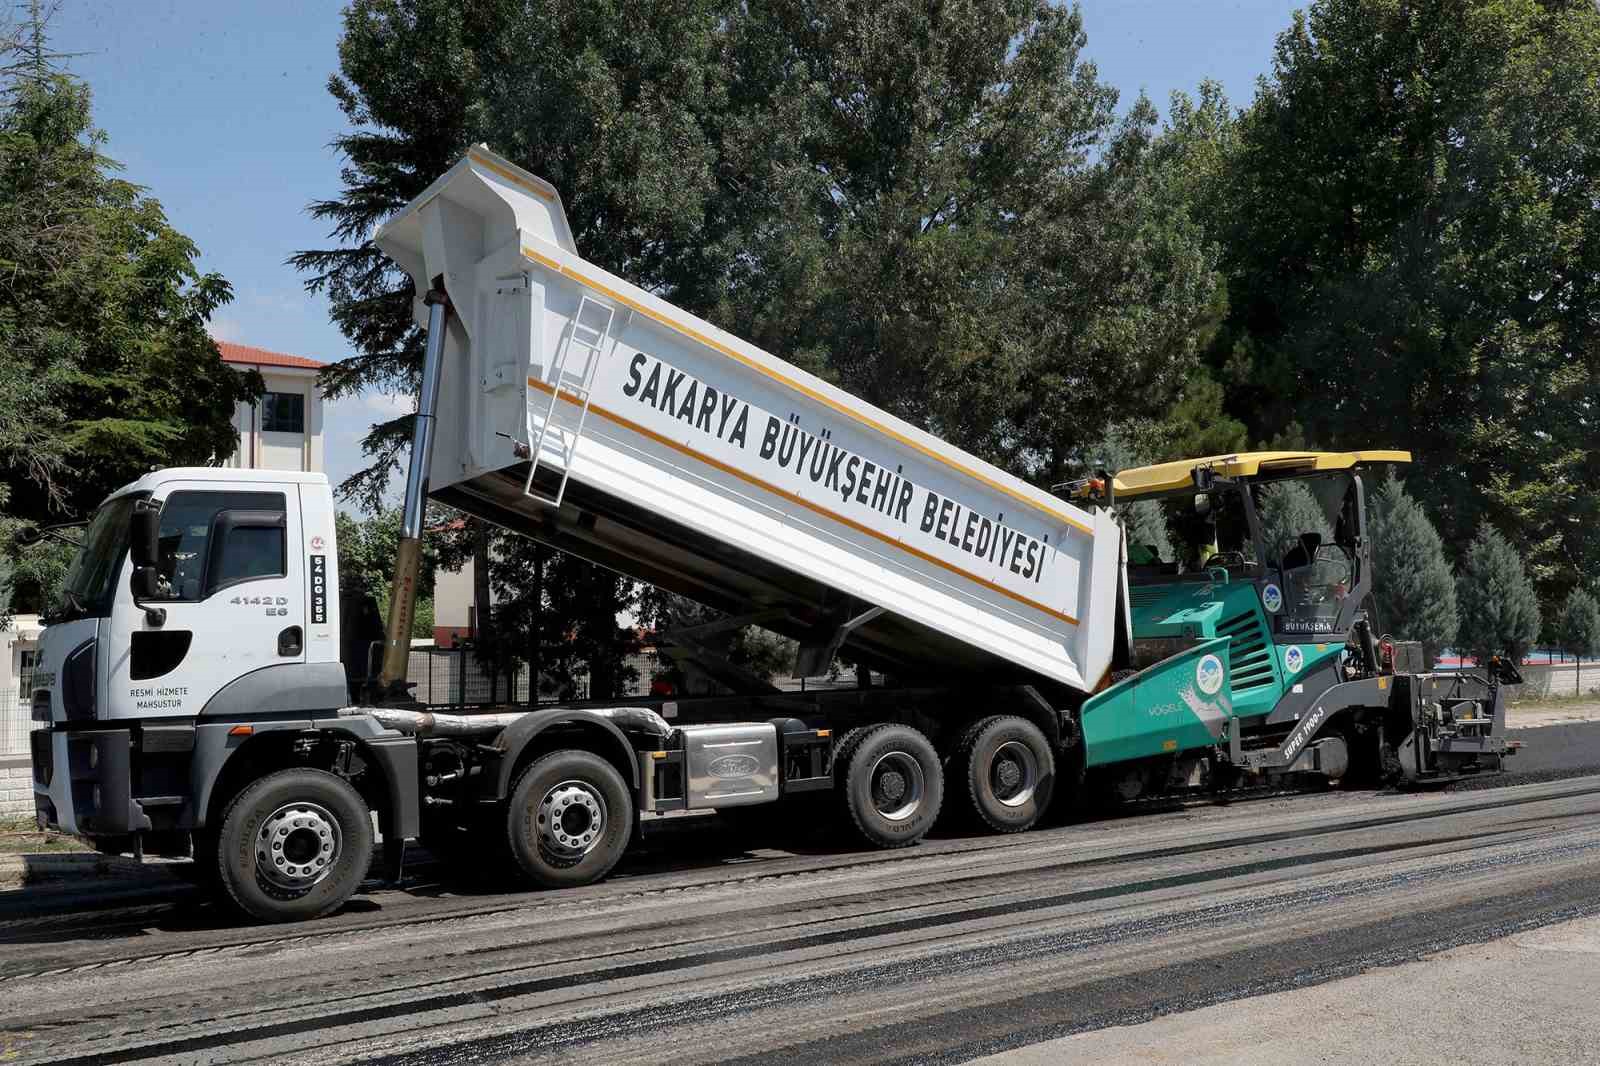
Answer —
589 334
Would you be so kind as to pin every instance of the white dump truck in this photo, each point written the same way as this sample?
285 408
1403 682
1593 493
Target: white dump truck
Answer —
195 694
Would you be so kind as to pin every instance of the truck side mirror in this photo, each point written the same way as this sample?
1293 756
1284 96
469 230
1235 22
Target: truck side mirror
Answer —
144 534
144 548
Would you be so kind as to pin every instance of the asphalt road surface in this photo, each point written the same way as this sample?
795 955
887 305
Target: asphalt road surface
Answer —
708 947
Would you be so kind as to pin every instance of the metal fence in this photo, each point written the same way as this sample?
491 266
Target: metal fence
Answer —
15 719
453 676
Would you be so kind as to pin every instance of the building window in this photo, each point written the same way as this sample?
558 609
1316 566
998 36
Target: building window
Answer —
283 412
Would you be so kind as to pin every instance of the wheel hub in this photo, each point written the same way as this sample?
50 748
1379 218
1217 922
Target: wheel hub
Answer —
897 785
572 819
1014 773
297 846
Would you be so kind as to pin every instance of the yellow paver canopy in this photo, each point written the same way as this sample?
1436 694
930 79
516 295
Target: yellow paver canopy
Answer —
1178 476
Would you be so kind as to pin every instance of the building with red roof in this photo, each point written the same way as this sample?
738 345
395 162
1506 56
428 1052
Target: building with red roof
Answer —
283 430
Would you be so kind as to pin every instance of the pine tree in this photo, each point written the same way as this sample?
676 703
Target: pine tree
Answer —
1578 629
1415 592
609 103
1287 510
1499 608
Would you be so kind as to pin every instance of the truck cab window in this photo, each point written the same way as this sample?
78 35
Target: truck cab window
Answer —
192 567
244 552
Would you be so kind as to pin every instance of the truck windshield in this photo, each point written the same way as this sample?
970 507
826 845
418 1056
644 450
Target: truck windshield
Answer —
91 579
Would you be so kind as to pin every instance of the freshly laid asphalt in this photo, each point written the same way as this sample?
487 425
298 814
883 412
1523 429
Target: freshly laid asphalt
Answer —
712 947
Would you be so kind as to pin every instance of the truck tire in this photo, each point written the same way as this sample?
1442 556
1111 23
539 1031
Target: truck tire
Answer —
891 784
569 819
1009 772
294 845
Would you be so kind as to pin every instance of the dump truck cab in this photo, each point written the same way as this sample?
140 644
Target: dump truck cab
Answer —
199 629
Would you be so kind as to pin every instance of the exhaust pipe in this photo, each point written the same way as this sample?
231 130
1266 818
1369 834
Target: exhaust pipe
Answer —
641 720
430 724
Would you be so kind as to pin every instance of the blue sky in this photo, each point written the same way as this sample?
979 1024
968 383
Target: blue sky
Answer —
221 109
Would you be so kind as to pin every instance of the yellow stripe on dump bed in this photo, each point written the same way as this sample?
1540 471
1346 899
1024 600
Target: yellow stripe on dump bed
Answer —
523 180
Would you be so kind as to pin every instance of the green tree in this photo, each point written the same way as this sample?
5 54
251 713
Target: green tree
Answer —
367 550
589 599
1198 424
556 613
760 652
764 653
1499 607
938 208
525 629
1578 629
1414 591
1413 256
102 315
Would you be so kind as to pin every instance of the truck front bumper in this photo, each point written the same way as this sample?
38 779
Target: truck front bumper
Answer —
82 782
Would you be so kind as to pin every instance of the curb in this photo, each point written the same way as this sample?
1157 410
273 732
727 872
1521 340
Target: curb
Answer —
19 871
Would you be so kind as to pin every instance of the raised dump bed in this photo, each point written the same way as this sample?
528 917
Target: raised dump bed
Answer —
582 410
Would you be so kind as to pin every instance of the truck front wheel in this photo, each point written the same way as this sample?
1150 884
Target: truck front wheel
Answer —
1009 772
569 819
294 845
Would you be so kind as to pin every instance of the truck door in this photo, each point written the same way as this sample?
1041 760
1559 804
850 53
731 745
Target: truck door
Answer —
234 597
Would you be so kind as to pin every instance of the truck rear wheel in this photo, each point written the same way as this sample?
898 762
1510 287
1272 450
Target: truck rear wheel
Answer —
569 820
1009 772
294 845
891 784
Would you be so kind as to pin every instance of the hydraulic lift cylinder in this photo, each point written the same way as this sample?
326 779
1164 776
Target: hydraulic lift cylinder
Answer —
408 557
